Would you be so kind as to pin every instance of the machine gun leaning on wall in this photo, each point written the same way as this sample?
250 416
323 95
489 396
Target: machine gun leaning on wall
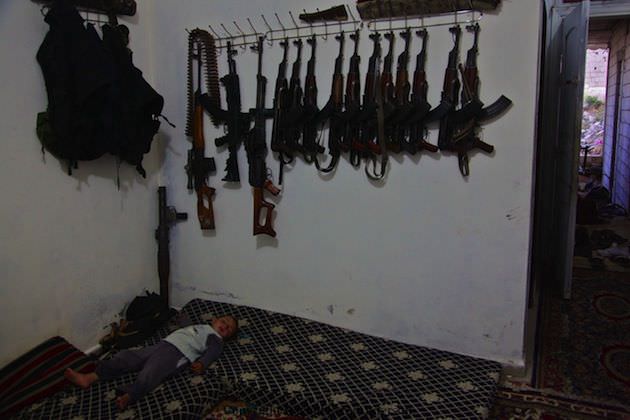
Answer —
237 122
256 148
198 167
167 216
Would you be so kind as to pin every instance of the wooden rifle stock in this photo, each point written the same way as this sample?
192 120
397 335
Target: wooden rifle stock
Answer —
260 204
205 212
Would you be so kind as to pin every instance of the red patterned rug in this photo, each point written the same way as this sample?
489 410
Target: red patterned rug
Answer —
530 404
586 340
39 373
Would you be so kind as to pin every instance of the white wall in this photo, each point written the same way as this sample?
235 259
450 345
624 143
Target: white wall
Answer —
73 249
426 257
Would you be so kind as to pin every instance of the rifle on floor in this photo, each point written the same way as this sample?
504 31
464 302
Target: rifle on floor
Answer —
256 148
237 122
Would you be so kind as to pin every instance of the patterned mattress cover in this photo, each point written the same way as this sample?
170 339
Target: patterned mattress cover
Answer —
312 369
183 396
303 368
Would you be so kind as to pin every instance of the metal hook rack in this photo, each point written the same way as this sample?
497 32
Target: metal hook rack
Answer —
282 31
372 24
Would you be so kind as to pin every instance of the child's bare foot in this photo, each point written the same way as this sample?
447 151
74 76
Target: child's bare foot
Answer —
84 380
123 401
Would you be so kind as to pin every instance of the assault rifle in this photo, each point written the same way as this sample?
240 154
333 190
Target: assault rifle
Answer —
280 106
198 166
237 122
401 101
387 86
292 126
450 91
421 107
332 111
353 105
367 144
256 148
464 137
310 127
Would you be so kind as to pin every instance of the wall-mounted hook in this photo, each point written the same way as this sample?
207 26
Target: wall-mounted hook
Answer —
284 30
217 39
269 30
252 26
295 25
244 46
354 21
227 32
325 36
454 11
309 24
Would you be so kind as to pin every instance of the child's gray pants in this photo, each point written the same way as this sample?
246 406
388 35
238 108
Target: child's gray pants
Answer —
155 363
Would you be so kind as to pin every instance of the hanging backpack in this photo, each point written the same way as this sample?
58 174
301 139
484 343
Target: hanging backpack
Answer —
98 101
78 74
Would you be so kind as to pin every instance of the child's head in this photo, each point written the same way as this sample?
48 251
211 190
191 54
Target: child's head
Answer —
226 326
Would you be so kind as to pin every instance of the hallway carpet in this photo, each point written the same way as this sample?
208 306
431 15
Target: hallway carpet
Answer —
586 340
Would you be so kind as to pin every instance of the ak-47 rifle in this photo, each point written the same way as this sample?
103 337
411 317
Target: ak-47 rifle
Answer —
256 148
332 112
310 127
419 101
237 122
450 91
292 126
280 107
387 87
401 101
353 105
464 137
367 144
198 166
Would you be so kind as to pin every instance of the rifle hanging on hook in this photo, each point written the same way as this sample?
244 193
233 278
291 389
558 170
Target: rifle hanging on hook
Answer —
198 167
464 135
332 112
236 122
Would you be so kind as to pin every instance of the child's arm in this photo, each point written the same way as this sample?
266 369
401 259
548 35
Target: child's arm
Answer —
214 347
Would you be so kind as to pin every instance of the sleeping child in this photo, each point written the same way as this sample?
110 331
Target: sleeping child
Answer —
198 344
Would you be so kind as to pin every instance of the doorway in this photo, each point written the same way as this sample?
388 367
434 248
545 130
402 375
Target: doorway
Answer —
559 160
